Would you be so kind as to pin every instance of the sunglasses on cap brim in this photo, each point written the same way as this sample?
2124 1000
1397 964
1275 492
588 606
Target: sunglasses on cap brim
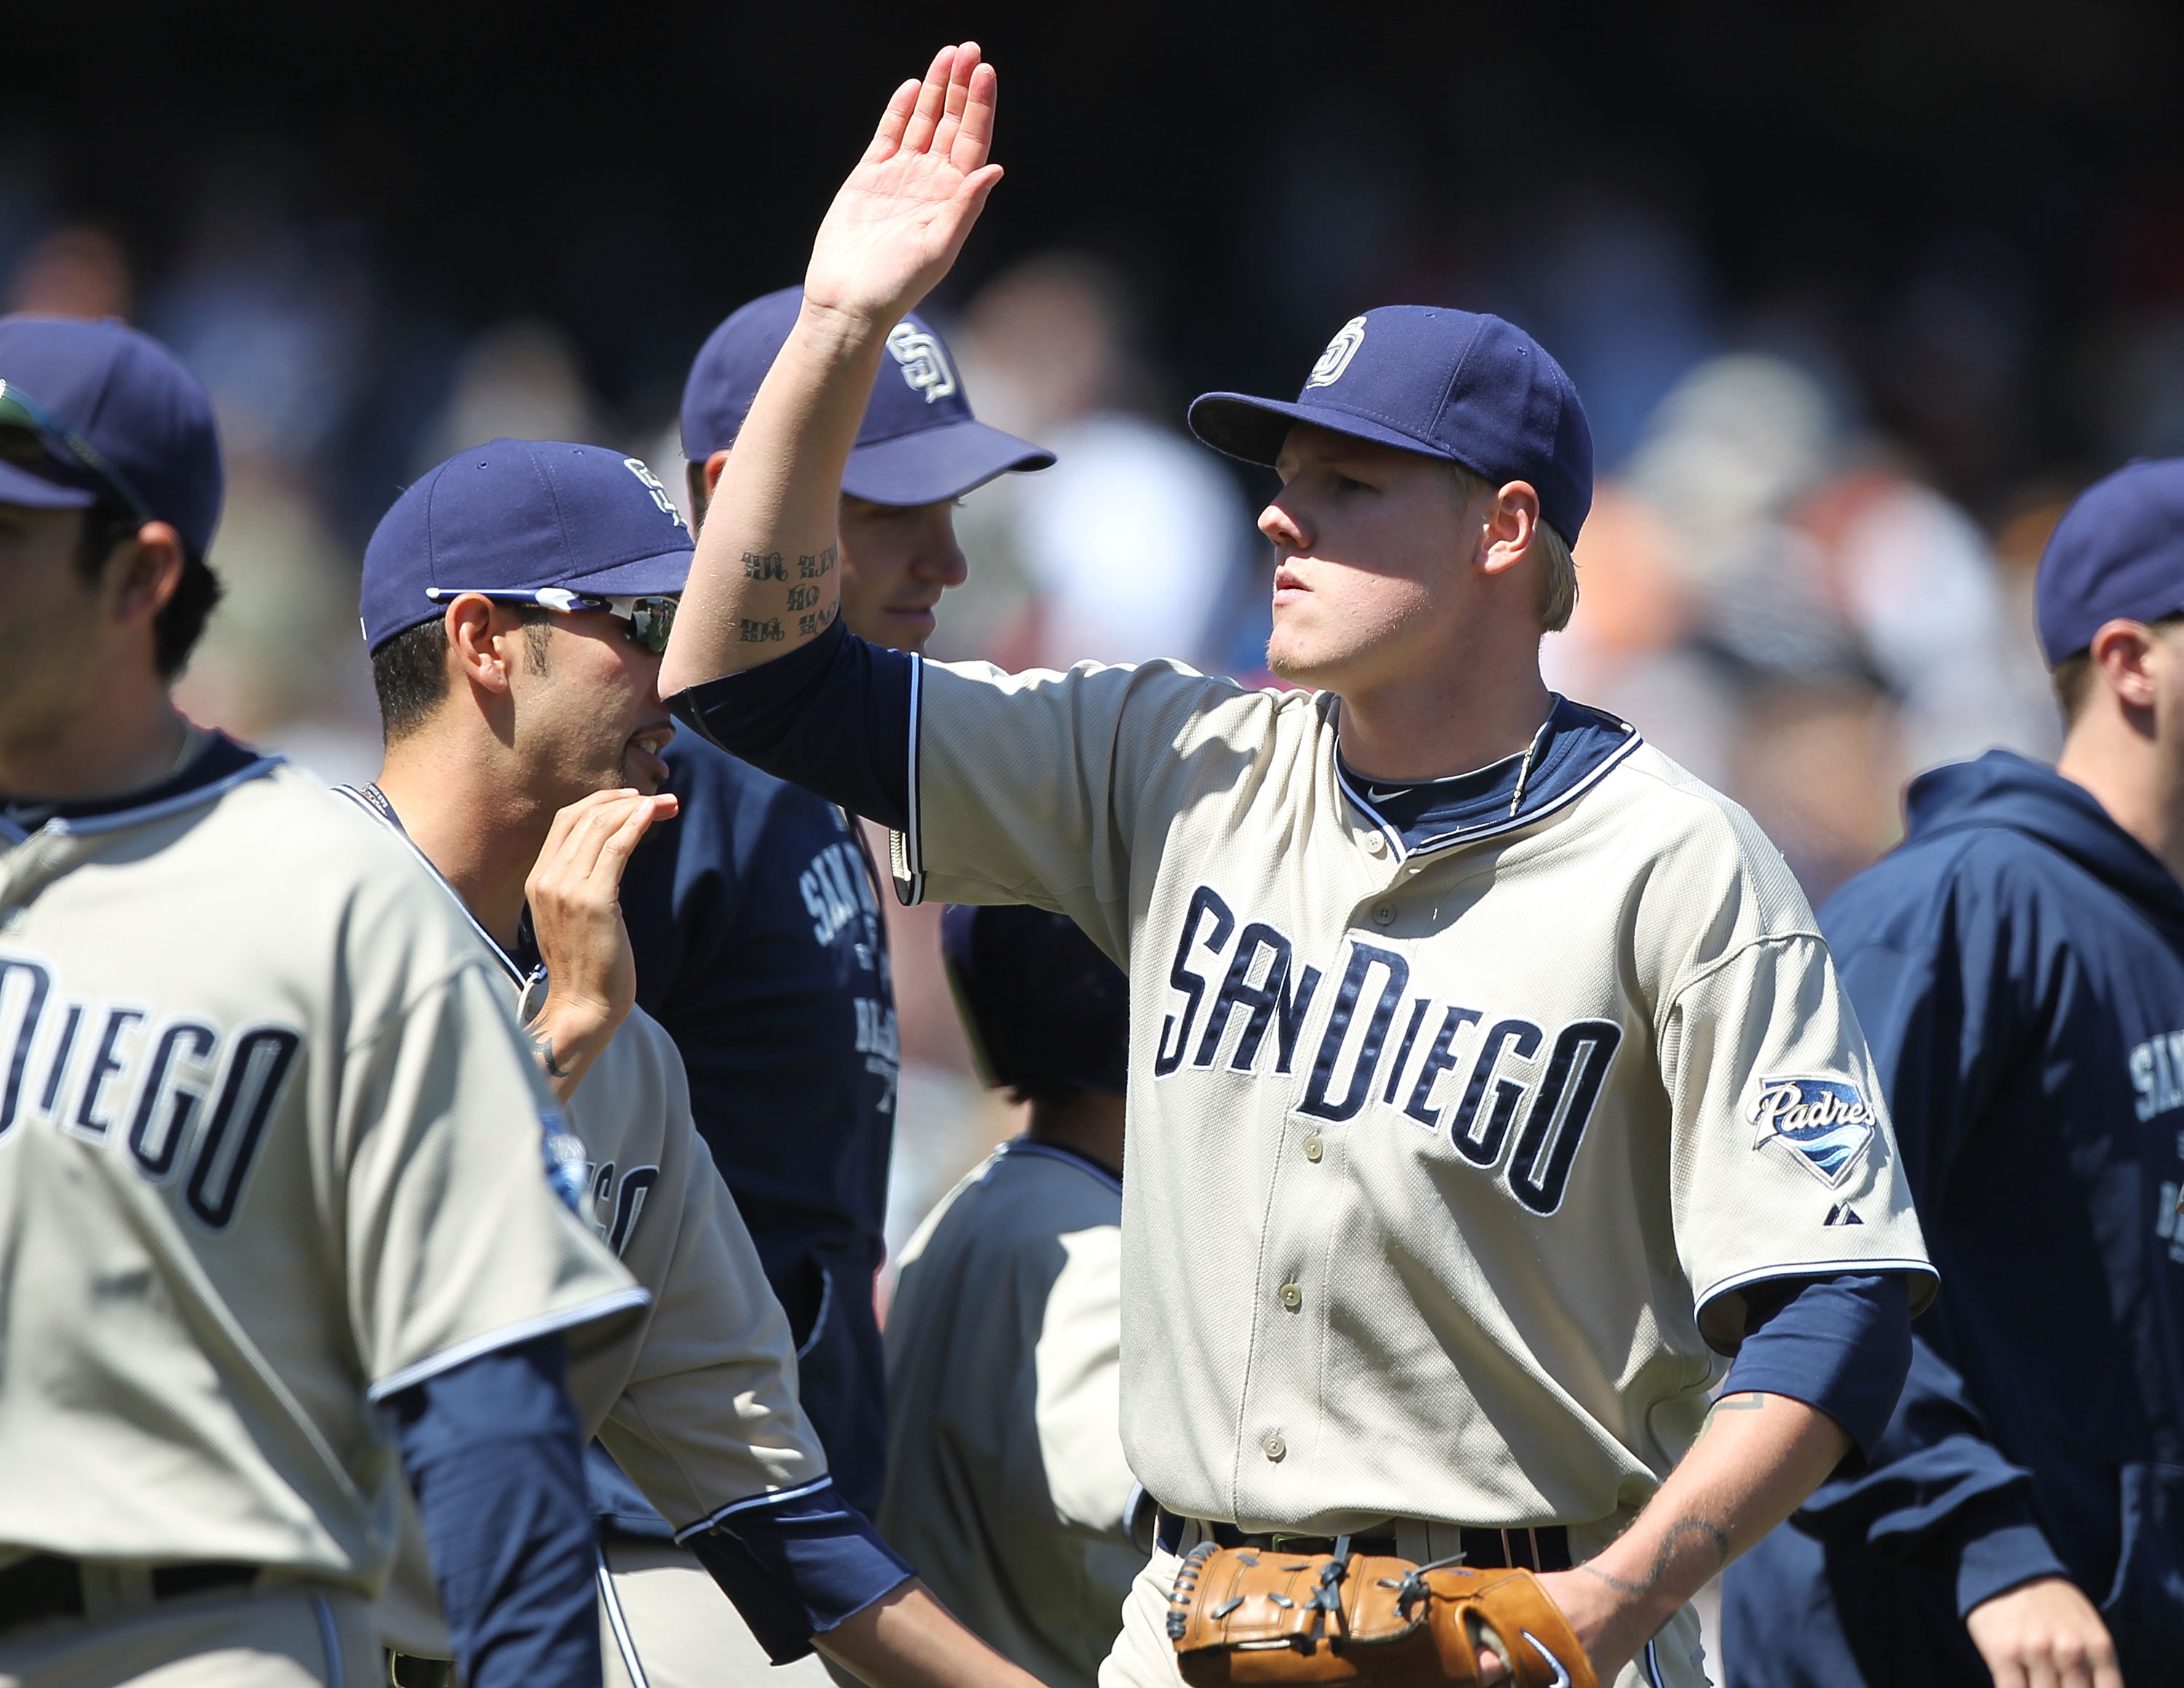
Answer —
32 437
647 621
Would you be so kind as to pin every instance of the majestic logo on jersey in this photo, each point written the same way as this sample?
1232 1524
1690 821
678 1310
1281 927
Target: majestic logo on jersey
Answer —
185 1099
657 488
1479 1091
1336 358
1826 1121
924 361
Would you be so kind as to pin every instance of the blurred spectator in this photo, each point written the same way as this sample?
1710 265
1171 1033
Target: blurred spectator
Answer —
1787 611
1621 296
271 312
1126 549
520 380
78 271
281 663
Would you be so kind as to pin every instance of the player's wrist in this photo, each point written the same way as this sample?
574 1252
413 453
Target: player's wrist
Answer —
842 327
570 1034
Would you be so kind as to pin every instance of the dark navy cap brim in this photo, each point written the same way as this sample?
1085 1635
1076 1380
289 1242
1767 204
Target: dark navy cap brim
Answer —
661 576
1240 425
19 486
935 464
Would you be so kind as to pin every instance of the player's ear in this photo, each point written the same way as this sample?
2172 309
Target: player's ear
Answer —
2123 652
149 574
1512 517
476 646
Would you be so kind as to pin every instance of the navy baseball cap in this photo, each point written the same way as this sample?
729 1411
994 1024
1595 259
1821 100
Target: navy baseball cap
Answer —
1472 389
517 515
1044 1008
919 443
130 399
2117 553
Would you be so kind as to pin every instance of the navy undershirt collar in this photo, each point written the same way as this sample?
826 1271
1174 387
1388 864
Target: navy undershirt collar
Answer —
1575 744
221 759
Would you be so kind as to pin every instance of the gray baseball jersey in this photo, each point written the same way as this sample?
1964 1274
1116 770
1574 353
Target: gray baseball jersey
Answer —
697 1399
271 1151
1438 1159
1006 1484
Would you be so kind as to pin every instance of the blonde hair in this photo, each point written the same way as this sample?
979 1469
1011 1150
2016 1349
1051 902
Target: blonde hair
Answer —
1557 568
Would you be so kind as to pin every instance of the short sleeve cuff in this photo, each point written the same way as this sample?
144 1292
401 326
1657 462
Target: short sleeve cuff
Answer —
797 1567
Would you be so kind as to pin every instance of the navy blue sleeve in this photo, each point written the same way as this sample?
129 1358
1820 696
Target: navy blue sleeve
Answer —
797 1567
494 1456
1842 1345
1946 980
1938 1495
833 716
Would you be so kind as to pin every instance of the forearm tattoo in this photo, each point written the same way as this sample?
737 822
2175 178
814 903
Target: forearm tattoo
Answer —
1671 1541
811 568
766 568
545 1047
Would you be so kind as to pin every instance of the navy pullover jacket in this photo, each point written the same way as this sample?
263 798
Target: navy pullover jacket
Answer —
2018 967
756 919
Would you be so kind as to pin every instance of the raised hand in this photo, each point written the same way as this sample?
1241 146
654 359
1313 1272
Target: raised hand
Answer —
574 893
898 223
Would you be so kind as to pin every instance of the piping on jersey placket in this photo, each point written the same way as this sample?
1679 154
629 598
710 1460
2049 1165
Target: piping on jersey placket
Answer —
375 802
1402 855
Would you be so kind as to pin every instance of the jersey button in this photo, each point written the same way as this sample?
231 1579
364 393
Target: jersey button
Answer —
1384 914
1292 1297
1375 844
1313 1147
1275 1448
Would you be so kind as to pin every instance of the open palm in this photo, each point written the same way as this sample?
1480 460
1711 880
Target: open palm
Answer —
901 217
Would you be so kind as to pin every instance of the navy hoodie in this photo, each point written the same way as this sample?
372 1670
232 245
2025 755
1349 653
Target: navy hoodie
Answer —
2018 967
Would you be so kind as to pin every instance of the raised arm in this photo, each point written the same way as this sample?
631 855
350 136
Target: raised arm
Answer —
764 580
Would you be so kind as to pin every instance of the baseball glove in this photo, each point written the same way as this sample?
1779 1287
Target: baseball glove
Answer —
1241 1615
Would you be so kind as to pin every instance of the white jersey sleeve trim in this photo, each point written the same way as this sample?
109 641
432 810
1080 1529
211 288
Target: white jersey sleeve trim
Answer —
770 1498
507 1337
909 891
1835 1268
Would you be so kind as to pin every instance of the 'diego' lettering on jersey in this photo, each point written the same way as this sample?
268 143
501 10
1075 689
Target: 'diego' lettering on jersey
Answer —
1476 1079
185 1099
617 1203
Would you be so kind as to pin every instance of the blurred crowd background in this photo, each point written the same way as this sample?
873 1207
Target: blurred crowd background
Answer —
1857 299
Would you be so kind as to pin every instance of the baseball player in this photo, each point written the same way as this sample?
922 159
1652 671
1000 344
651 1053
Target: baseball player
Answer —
757 929
2020 962
516 600
276 1169
1489 1081
1006 1484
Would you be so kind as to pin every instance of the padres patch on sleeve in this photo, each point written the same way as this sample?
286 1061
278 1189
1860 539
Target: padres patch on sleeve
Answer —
1825 1122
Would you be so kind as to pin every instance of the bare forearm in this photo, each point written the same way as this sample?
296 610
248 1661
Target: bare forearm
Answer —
1755 1462
907 1639
765 578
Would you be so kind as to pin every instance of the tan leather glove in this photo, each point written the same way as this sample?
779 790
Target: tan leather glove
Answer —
1247 1615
